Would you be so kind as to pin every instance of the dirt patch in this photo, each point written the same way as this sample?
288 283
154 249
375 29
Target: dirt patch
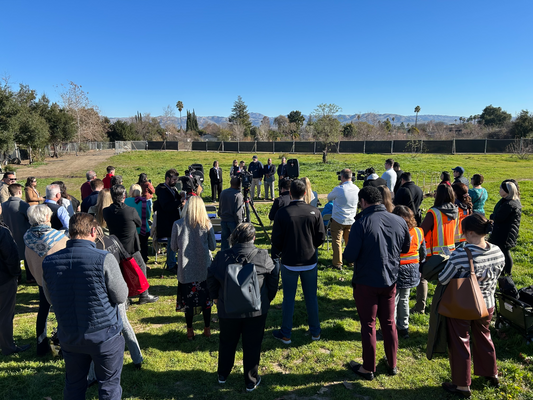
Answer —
67 166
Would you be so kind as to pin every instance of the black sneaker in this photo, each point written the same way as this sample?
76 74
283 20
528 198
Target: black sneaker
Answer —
221 379
252 388
403 333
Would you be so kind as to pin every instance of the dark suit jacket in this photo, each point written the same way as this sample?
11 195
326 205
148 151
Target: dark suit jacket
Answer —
282 170
123 221
213 175
167 207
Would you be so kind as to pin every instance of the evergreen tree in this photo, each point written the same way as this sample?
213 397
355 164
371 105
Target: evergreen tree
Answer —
239 115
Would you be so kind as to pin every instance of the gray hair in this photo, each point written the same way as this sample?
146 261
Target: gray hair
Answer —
39 215
52 191
90 175
511 190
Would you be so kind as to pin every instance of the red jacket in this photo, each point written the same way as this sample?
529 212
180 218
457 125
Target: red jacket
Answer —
107 181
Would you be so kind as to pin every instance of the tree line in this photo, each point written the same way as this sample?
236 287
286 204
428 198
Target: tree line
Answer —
34 122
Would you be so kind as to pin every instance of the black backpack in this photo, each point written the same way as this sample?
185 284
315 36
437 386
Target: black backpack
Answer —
242 293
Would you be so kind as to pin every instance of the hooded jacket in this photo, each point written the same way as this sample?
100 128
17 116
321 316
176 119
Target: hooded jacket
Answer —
506 217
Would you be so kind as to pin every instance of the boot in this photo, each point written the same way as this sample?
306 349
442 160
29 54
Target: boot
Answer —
207 331
146 297
190 333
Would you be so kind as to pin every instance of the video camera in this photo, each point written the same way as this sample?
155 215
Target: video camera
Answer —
193 178
339 176
246 179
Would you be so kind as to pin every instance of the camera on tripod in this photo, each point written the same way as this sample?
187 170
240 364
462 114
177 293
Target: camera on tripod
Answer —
339 176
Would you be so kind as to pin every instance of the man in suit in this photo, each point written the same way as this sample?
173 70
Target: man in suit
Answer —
123 221
215 175
297 232
282 171
269 172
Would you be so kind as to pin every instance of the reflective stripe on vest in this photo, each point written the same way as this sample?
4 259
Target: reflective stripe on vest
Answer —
440 240
412 257
459 236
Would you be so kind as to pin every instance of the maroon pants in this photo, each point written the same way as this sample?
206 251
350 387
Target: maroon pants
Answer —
380 302
483 350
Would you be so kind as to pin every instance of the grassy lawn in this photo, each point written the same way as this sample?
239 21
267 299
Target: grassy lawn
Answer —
175 368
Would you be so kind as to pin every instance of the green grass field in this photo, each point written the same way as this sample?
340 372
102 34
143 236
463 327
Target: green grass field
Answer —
175 368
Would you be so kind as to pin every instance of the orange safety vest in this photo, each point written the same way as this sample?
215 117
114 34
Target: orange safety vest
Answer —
411 257
459 237
441 239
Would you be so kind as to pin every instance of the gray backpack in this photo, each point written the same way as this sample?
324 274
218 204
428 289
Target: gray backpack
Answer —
242 293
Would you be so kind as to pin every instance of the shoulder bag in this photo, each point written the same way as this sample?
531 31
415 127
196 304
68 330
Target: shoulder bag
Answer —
132 273
462 298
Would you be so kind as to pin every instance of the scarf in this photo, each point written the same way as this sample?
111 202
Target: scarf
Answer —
143 213
41 238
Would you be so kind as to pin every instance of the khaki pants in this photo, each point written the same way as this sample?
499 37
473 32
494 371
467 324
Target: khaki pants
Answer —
338 231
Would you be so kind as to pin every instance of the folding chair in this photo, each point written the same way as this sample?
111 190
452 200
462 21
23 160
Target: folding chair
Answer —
327 220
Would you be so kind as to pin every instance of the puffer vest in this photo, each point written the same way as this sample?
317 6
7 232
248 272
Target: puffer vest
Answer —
75 280
55 222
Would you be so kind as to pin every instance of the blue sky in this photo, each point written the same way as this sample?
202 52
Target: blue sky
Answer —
450 57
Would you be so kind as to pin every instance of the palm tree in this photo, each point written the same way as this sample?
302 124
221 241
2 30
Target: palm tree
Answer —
417 110
179 106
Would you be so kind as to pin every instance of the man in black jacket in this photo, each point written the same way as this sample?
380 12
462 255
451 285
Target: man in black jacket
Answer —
215 176
298 231
409 195
250 325
167 207
123 221
372 179
376 241
9 273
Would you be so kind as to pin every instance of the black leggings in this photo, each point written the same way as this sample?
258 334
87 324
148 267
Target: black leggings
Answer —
207 318
42 317
508 261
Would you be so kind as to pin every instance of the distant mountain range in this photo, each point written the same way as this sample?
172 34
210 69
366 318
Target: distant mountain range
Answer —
256 119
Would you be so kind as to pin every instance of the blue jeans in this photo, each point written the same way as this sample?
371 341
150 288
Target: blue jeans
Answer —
227 228
289 280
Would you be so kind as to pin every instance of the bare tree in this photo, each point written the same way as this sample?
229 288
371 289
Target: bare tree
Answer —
238 130
76 101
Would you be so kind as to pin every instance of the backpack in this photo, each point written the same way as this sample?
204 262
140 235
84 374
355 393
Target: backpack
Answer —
242 293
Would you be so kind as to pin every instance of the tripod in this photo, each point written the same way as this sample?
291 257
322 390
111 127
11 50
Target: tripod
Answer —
249 203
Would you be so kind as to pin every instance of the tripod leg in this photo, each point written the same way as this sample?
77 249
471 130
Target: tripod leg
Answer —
259 219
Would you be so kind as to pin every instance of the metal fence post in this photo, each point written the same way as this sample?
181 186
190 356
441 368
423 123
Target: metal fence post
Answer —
485 151
391 146
364 146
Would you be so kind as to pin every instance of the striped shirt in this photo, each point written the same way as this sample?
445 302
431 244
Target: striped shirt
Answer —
488 264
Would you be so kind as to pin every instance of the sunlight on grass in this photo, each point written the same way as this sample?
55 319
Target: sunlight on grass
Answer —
175 368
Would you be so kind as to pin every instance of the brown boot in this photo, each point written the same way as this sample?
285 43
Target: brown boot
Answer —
207 331
190 333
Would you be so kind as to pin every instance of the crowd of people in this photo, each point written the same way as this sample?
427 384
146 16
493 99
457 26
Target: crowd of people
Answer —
72 249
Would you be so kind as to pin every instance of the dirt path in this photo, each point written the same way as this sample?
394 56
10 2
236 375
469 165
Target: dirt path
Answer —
67 166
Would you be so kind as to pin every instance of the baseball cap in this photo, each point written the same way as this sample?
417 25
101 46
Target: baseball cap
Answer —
254 157
459 169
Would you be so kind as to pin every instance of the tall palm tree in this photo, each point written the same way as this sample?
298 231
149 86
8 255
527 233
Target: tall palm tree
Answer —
417 110
179 106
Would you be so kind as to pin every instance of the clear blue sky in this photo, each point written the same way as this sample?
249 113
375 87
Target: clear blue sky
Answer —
450 57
